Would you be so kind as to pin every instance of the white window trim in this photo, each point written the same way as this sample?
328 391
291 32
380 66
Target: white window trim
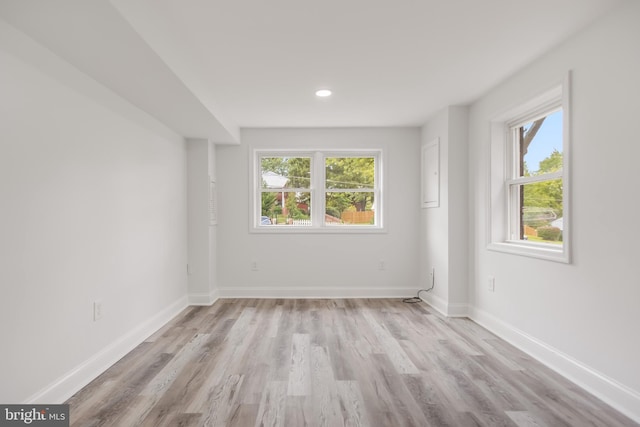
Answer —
500 175
317 191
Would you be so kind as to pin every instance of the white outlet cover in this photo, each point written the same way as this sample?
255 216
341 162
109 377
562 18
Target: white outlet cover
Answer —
97 310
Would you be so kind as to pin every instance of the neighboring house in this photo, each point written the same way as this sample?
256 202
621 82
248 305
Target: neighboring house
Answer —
557 223
273 180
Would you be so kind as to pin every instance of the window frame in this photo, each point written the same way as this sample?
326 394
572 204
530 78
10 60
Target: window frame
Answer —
317 191
504 216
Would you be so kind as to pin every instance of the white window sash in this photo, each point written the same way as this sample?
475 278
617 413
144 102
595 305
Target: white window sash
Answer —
536 178
317 189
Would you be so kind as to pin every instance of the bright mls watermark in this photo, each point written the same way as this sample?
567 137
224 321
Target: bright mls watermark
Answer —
34 415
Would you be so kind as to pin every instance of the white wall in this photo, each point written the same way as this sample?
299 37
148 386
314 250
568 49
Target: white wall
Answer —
458 210
581 318
213 230
320 264
202 235
93 207
434 236
444 229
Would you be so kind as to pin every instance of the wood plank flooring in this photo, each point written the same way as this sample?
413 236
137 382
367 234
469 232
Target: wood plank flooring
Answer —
355 362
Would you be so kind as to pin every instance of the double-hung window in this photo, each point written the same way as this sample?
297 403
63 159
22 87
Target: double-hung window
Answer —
535 184
317 191
529 180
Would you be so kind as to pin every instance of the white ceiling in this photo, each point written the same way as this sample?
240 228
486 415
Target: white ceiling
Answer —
257 63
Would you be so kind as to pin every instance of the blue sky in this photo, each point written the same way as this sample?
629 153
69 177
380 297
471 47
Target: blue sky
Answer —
549 136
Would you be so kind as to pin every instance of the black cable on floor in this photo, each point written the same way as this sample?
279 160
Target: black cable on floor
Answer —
413 300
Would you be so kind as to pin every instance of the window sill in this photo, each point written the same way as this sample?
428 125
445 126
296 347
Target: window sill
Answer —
287 229
532 250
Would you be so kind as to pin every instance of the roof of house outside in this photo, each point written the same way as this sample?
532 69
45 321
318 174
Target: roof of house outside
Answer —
557 223
273 180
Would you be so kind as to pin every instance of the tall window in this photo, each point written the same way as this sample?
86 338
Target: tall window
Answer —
529 180
317 190
535 185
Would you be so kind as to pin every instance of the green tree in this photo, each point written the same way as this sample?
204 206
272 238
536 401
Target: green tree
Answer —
349 173
546 196
274 164
553 163
268 203
337 203
291 203
299 172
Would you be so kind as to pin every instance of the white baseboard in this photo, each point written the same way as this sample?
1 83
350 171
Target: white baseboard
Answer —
323 292
203 299
619 396
437 303
70 383
444 308
458 310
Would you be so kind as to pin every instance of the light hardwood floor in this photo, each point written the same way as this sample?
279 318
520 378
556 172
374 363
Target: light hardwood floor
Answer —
366 362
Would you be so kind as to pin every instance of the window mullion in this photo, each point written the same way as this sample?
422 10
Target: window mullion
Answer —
317 190
350 190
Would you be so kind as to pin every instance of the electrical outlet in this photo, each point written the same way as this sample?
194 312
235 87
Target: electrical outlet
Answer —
254 265
381 265
97 310
492 284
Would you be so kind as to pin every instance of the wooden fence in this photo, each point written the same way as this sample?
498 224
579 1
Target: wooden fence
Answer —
358 217
530 231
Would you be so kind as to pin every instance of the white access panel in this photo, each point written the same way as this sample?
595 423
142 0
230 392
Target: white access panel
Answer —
431 174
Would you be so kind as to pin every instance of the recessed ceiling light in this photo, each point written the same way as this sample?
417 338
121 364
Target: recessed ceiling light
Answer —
323 93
